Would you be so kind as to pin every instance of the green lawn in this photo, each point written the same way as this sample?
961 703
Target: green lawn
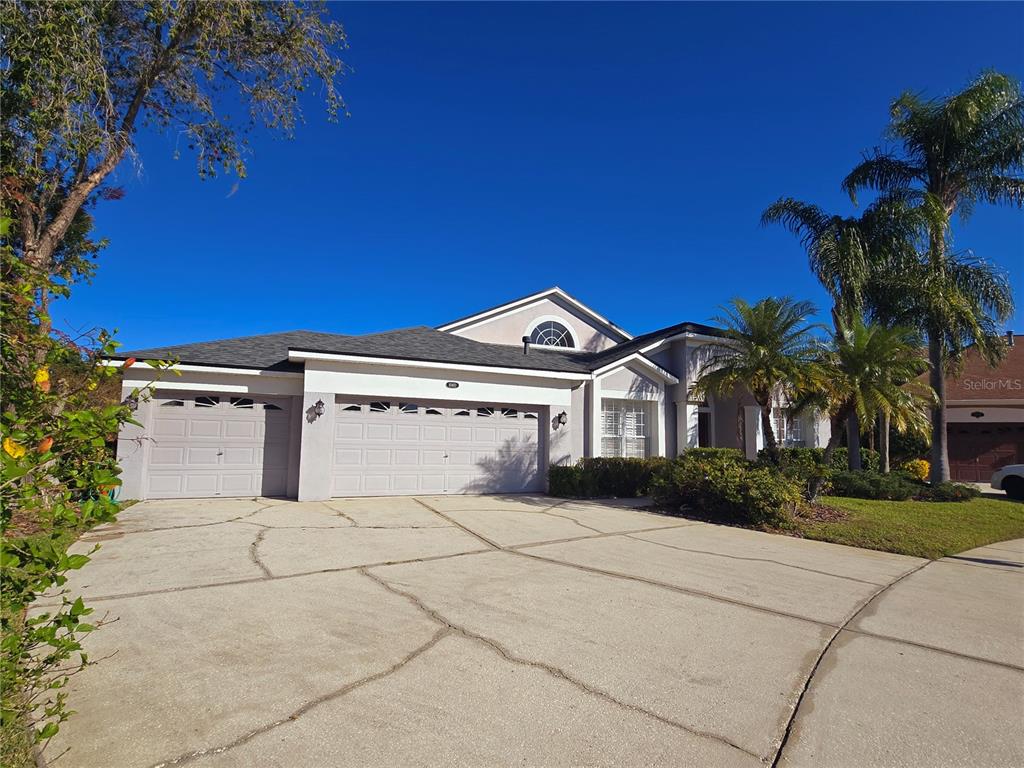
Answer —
919 528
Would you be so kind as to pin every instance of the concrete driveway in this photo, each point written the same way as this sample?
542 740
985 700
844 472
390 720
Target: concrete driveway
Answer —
495 631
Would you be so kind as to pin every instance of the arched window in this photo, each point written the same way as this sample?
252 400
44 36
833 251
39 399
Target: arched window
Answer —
551 334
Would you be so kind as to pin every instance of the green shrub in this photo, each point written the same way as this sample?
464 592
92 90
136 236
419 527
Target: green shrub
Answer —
806 457
948 492
604 477
564 481
802 465
865 484
919 469
722 485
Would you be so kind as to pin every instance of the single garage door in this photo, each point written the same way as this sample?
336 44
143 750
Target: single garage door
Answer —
394 448
218 445
977 449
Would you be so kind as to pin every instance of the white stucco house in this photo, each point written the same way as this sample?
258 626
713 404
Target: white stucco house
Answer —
485 403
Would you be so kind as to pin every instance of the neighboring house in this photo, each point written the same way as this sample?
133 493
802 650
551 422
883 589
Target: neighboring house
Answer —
482 404
985 414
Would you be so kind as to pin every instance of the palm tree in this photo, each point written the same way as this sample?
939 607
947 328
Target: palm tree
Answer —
870 370
844 254
953 152
767 349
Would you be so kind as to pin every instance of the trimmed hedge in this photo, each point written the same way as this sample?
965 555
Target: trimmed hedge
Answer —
722 485
895 486
898 486
949 492
604 478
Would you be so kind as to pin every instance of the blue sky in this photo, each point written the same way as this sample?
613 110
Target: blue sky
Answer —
621 151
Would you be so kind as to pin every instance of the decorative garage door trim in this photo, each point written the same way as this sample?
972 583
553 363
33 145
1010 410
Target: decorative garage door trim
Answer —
217 444
391 447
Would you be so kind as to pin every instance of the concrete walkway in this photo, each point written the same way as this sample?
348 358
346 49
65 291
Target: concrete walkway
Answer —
491 631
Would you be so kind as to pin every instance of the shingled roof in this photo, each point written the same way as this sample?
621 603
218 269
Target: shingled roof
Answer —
599 359
270 351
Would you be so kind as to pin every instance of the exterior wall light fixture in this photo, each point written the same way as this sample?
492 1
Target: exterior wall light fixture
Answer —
132 401
560 420
318 408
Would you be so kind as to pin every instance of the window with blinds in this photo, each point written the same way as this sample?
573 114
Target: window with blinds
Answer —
624 428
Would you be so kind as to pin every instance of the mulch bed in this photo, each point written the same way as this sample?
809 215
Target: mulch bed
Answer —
821 513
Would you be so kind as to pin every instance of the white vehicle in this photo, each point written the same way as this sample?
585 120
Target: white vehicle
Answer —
1010 479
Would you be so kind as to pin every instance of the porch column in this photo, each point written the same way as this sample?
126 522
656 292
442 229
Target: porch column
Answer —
317 444
662 447
751 431
594 438
692 434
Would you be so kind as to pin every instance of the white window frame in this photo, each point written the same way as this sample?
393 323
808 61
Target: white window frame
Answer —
625 428
536 321
788 427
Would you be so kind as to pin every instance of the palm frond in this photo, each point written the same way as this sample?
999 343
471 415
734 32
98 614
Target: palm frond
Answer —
882 172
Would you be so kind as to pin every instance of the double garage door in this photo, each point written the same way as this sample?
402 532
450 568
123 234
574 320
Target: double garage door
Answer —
218 445
978 449
386 447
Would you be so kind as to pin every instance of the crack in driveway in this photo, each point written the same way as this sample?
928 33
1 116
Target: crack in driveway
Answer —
755 560
817 663
313 703
254 554
508 655
104 532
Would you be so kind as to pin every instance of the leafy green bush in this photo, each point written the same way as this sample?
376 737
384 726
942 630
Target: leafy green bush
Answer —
56 472
804 457
948 492
723 485
565 482
802 465
919 469
865 484
604 477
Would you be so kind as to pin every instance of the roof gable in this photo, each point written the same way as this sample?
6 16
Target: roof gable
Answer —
487 315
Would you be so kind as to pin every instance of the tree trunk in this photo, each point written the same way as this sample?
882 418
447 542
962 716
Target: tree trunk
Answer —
883 441
771 446
937 376
940 450
814 487
853 442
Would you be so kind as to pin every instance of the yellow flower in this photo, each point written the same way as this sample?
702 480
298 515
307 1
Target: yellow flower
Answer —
13 449
91 386
42 379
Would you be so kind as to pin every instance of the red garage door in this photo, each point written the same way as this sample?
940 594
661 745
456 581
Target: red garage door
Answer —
976 450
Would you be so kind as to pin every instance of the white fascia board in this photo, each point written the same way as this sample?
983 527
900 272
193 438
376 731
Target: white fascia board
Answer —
212 380
637 359
491 314
416 386
185 368
533 373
